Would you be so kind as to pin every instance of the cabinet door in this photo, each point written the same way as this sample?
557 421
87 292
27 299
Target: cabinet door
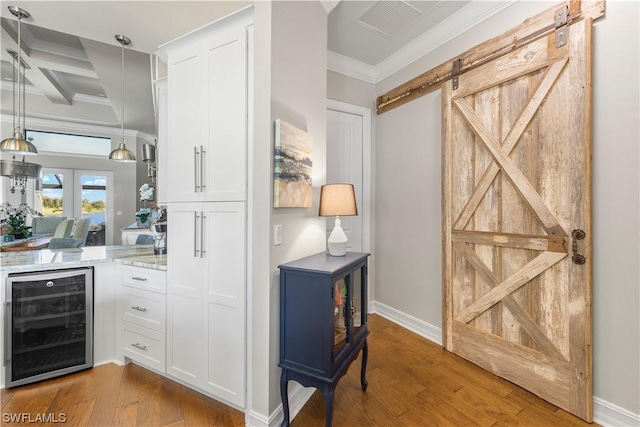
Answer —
224 159
184 292
187 125
224 300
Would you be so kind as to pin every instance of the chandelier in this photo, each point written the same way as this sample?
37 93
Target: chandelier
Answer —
17 144
19 172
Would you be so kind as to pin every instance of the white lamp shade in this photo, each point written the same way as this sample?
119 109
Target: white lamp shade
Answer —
337 200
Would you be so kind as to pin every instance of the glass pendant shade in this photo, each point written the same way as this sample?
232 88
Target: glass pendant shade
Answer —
121 154
18 145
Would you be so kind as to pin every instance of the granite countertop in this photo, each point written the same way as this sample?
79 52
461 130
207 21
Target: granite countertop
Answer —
138 255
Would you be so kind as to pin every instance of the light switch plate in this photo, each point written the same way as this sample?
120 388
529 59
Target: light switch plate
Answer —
277 234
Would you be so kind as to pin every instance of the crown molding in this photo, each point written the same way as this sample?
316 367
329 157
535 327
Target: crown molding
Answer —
351 67
461 21
329 5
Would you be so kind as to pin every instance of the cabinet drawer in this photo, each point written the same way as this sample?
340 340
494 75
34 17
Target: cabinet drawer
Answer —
144 278
143 345
143 308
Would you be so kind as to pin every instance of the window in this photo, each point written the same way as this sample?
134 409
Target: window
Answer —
66 143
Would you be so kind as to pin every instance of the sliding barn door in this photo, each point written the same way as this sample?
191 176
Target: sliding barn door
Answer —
517 218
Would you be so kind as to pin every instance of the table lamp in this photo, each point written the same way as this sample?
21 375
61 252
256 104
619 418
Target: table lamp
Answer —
337 200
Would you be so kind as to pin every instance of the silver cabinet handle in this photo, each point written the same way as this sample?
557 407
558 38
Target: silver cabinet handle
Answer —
196 251
140 279
202 164
202 250
195 169
7 331
139 309
140 346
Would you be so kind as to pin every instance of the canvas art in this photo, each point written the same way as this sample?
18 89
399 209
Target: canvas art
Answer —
293 167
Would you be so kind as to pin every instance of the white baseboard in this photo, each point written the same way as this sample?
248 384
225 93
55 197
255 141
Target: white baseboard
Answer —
420 327
609 415
298 396
604 413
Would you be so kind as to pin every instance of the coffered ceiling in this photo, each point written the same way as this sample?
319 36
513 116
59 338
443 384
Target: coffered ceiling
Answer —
74 59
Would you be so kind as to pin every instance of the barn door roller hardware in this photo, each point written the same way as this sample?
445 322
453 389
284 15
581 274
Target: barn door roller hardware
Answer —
562 16
455 73
540 25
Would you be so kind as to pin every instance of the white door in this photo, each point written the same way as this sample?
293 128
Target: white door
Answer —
184 292
344 165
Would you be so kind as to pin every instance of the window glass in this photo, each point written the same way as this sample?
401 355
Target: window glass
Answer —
68 143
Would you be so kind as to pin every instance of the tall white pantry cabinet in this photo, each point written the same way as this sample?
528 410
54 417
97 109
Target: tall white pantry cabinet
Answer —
206 187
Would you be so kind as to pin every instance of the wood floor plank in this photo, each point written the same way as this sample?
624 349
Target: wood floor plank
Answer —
149 405
78 414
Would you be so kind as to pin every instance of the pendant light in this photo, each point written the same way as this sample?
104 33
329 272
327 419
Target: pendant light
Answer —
121 154
17 144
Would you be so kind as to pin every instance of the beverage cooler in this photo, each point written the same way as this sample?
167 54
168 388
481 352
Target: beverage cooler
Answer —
48 324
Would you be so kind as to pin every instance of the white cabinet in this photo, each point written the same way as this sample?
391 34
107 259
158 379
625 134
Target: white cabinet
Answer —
142 306
206 297
207 113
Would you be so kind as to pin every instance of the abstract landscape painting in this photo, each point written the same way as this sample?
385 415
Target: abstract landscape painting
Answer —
293 166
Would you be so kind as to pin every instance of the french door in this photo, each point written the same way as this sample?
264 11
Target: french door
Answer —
76 193
517 218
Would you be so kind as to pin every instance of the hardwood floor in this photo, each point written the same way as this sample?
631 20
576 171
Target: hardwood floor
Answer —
412 382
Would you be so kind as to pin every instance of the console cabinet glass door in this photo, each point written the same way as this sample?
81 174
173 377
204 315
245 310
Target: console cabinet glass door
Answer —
348 294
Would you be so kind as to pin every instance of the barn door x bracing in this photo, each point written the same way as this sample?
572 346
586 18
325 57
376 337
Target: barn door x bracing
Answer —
517 218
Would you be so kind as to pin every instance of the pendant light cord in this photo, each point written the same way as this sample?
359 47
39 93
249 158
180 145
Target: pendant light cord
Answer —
122 89
19 65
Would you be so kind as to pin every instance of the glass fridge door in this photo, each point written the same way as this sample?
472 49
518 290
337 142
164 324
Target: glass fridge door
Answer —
50 330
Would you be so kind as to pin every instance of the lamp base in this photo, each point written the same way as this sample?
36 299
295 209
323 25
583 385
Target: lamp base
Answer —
337 240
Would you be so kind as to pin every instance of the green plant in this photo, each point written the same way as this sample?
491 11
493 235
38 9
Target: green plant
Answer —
16 223
15 218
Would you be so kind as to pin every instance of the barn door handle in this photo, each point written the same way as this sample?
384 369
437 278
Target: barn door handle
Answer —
577 235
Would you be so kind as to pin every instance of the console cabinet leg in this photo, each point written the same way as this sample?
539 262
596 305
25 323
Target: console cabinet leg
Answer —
284 395
328 406
363 372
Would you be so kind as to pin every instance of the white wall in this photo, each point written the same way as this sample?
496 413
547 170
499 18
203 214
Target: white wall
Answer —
290 61
408 194
348 89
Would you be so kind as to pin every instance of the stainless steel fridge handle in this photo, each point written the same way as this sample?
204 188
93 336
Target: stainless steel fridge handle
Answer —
7 331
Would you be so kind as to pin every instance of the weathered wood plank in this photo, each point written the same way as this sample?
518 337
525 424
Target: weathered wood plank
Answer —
580 291
511 140
496 355
541 263
510 240
531 30
548 219
516 309
447 214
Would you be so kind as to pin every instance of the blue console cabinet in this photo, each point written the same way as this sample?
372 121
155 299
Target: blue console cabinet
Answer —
323 322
